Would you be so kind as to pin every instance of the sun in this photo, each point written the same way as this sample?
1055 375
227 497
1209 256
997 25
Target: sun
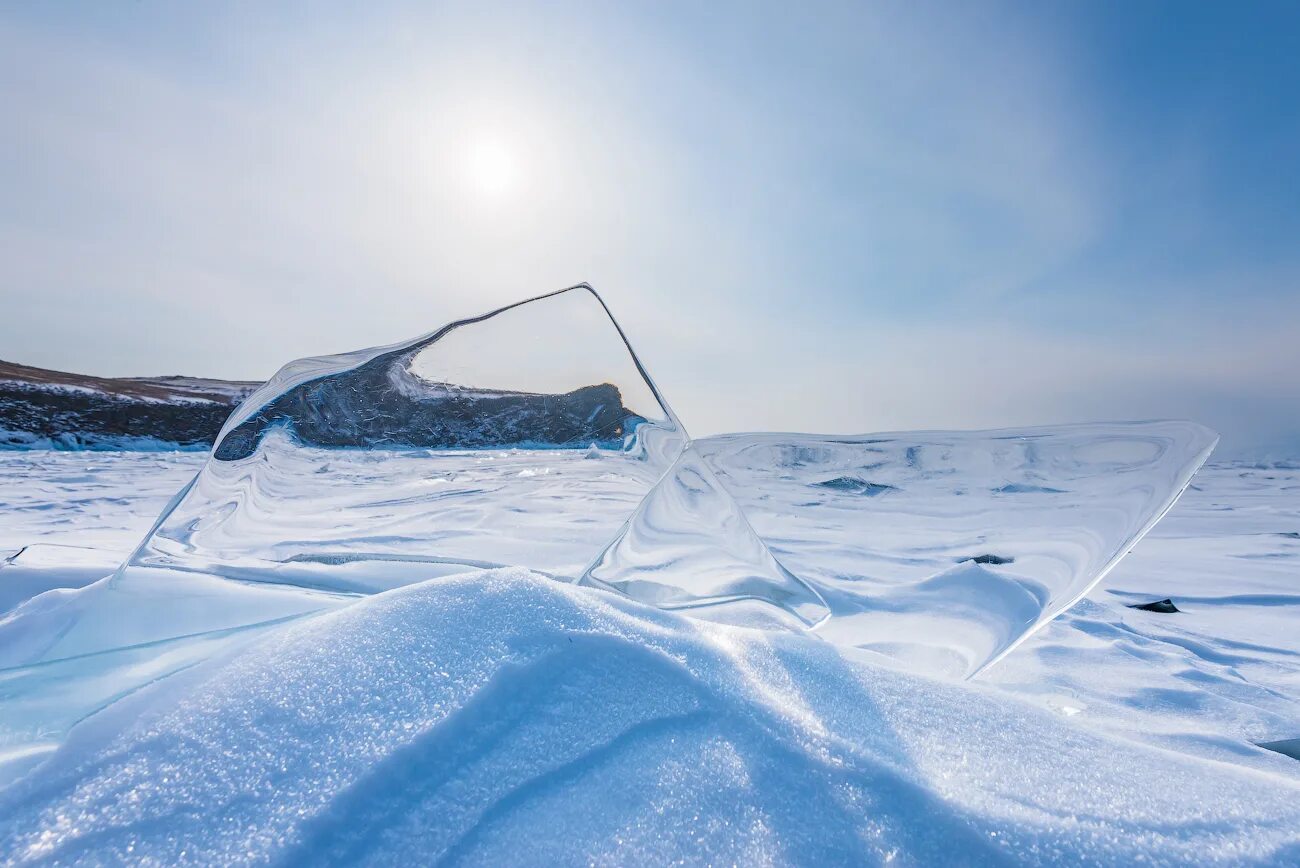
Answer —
492 168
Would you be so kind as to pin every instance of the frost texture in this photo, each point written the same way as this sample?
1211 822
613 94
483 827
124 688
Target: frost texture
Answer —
501 719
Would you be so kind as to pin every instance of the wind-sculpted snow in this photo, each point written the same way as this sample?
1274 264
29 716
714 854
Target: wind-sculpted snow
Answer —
459 710
500 718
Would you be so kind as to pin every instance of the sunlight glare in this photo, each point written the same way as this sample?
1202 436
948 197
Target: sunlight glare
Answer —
492 167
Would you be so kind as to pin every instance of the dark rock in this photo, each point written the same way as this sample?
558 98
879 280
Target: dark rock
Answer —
854 485
995 560
1287 747
70 408
365 407
1164 607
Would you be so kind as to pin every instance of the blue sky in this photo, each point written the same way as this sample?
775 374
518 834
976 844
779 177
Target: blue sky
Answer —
839 218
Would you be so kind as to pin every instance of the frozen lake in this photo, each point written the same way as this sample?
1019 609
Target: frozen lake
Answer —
470 716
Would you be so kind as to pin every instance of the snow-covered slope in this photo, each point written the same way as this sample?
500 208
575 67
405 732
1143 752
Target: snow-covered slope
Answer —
502 718
46 409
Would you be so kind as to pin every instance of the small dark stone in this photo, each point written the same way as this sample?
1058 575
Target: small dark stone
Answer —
1027 488
854 485
995 560
1164 607
1287 747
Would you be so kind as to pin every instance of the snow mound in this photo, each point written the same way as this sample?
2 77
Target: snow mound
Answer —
482 717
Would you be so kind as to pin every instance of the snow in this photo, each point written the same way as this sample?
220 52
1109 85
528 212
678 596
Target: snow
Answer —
88 442
104 501
67 388
488 716
1221 674
503 717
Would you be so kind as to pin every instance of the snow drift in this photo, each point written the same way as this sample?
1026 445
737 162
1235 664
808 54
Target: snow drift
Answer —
501 717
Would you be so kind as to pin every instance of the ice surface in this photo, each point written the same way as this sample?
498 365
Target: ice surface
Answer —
1218 677
946 549
478 714
39 566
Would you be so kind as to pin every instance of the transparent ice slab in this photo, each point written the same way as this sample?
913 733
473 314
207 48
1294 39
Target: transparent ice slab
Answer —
526 436
533 436
529 436
945 550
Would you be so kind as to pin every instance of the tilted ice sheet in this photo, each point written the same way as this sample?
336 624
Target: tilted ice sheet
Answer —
524 437
946 549
527 435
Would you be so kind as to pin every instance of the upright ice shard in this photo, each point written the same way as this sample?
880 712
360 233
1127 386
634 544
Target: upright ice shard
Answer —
469 447
946 549
464 448
350 474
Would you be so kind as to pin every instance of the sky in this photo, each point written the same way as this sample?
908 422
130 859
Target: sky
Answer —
811 217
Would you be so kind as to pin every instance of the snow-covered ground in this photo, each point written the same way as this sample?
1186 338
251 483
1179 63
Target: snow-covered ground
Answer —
501 717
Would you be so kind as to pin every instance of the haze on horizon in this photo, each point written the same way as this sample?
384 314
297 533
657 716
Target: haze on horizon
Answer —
848 218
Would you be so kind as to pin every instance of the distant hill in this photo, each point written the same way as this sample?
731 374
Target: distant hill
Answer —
41 408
